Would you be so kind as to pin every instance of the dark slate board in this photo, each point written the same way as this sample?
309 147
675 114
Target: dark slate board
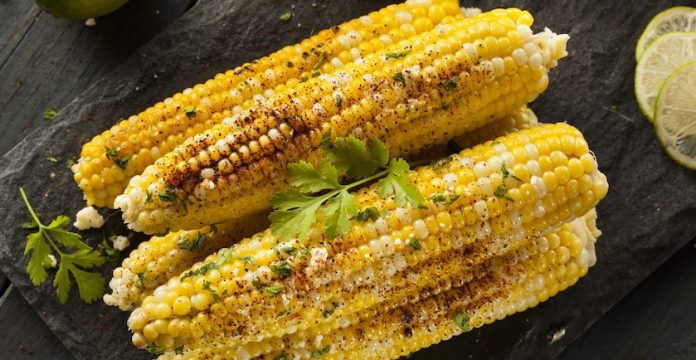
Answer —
648 215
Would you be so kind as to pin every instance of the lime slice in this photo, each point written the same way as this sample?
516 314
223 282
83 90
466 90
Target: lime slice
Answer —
676 19
662 57
80 9
675 115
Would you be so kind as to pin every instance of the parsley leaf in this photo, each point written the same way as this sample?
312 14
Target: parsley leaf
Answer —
71 161
246 259
506 173
111 153
462 320
501 192
451 84
397 183
352 157
286 16
414 244
295 213
46 241
370 213
50 113
195 243
168 195
272 290
337 213
154 349
307 179
122 162
397 55
190 112
283 268
319 353
399 77
107 250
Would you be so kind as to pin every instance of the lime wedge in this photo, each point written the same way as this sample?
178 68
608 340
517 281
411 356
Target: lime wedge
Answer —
79 9
676 19
675 115
662 57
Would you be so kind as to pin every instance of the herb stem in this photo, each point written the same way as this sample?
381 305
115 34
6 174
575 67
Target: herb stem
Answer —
38 222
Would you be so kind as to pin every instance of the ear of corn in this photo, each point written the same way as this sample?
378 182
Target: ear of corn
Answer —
110 159
154 261
497 288
160 258
547 176
480 68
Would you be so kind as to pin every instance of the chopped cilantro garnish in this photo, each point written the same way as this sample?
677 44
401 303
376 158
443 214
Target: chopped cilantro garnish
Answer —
194 243
397 55
286 16
414 244
272 290
52 159
399 77
501 192
50 113
282 268
122 162
191 112
168 195
370 213
462 320
451 84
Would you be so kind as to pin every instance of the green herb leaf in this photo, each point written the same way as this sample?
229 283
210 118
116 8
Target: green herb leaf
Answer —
272 290
281 357
50 113
506 173
107 250
52 159
295 213
122 162
168 195
329 312
179 350
396 183
111 153
154 349
283 312
501 192
399 77
246 259
71 161
206 286
414 244
148 196
337 213
307 179
282 268
462 320
397 55
190 112
442 199
352 157
194 243
286 16
339 100
451 84
370 213
319 353
222 259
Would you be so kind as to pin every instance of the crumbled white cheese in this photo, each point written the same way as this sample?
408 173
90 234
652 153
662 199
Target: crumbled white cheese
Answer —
557 335
318 257
52 262
88 218
91 22
121 243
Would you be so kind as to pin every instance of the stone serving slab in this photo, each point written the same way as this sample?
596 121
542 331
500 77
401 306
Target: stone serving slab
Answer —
649 214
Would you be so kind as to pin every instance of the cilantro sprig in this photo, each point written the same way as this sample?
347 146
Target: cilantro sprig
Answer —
48 240
295 210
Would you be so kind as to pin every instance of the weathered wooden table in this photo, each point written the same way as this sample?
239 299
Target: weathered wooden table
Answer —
46 62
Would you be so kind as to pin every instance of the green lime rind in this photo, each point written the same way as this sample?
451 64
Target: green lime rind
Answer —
684 160
649 34
642 90
79 9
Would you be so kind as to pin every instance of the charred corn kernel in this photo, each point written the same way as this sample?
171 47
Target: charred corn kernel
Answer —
361 269
502 286
131 145
448 89
156 260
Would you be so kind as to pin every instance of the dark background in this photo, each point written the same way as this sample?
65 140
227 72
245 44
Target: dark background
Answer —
47 62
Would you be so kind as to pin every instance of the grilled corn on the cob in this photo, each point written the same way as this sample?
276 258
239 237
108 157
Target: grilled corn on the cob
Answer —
480 68
502 194
158 259
110 159
498 288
